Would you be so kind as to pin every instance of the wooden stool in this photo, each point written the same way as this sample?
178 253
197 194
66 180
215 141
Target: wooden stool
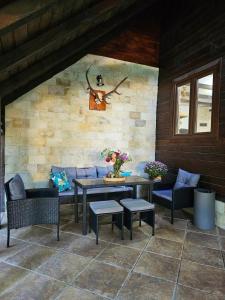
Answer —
144 208
100 208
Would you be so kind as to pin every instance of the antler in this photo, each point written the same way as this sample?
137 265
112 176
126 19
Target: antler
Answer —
97 99
114 90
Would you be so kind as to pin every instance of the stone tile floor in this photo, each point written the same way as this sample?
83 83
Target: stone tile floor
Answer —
180 262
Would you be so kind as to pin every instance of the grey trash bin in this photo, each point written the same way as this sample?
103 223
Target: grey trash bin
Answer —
204 209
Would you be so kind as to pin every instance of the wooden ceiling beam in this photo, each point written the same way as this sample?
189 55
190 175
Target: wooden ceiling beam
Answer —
20 83
20 12
68 30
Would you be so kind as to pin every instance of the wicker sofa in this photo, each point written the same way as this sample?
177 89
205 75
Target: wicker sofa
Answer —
118 192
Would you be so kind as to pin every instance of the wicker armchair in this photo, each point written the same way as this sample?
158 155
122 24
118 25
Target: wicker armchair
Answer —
176 193
40 206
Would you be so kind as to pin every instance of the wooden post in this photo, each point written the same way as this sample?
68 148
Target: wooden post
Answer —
2 159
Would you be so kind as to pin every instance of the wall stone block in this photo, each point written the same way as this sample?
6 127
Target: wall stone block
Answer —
135 115
140 123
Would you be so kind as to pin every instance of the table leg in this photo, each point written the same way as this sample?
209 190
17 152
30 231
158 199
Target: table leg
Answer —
76 203
84 225
135 191
150 193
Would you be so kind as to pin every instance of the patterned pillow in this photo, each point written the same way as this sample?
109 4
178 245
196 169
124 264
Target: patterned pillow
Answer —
61 181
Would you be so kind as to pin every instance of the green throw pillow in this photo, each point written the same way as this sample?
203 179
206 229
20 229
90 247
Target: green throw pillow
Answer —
60 181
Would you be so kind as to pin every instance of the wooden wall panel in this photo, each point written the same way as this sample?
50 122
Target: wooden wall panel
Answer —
191 38
137 41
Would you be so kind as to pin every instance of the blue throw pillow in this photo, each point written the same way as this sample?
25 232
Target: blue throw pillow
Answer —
61 181
187 178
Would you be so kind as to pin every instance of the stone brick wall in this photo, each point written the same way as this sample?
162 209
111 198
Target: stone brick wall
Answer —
220 214
52 124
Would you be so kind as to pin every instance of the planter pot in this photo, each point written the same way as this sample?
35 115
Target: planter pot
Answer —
158 178
204 209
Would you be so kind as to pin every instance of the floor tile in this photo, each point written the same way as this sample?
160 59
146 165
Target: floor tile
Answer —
191 227
139 241
169 233
165 247
64 266
15 246
32 233
221 231
9 275
223 253
145 228
72 293
31 257
203 255
66 239
186 293
33 286
222 241
177 223
202 277
157 265
86 247
178 214
142 287
71 226
200 239
119 256
102 279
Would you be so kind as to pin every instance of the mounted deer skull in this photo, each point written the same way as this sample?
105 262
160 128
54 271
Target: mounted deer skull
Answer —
98 99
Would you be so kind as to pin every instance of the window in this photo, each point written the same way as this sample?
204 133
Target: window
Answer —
196 101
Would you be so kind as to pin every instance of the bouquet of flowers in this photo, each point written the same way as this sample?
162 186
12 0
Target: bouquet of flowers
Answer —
116 158
155 169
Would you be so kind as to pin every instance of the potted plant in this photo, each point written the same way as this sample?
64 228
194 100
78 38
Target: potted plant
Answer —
116 158
155 169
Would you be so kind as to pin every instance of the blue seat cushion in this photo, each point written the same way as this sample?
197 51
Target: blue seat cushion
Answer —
103 171
165 194
186 178
136 204
86 173
105 207
105 190
16 188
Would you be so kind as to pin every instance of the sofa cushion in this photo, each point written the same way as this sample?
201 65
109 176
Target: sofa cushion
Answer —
166 194
105 207
179 185
16 188
188 178
103 171
55 169
105 190
137 204
86 173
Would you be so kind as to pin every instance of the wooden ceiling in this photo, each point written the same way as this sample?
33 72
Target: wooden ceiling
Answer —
39 38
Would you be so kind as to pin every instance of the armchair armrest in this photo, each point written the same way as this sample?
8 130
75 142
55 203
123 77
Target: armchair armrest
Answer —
162 185
183 197
42 193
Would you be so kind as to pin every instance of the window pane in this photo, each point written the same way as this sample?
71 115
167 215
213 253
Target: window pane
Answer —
204 104
183 105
